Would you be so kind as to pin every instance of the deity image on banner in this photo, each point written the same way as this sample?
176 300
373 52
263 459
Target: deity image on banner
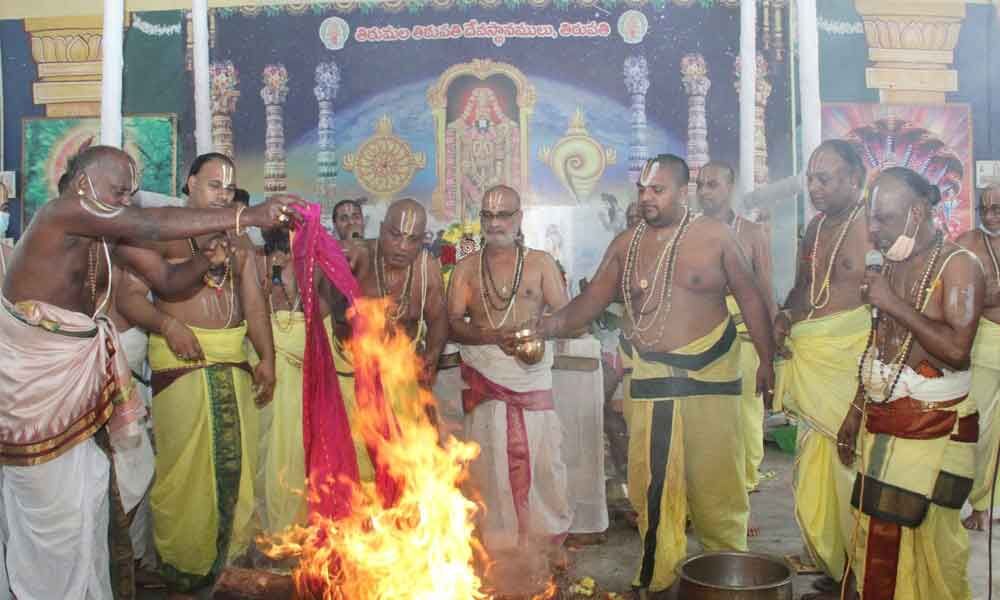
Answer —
481 111
482 140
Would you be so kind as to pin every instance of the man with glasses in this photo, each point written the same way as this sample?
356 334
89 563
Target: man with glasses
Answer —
986 357
508 404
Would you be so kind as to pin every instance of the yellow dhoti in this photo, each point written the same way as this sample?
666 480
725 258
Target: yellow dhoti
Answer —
205 426
753 404
818 384
985 393
686 452
283 460
918 464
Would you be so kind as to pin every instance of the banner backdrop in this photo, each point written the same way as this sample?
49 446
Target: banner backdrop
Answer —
561 101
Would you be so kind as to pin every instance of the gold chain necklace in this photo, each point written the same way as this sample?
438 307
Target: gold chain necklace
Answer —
207 277
819 300
512 301
630 272
921 294
403 305
294 307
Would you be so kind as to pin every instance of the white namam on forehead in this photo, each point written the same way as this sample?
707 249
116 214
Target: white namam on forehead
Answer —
133 177
649 172
407 221
494 200
227 174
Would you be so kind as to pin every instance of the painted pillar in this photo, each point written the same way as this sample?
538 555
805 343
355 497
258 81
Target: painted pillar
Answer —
274 93
637 84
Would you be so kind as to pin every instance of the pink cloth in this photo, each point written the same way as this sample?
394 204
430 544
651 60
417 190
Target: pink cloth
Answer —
331 462
482 389
62 378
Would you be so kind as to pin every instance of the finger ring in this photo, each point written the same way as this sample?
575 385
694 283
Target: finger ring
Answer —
864 288
282 218
770 391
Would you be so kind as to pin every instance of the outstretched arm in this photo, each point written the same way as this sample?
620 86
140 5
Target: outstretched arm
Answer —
591 302
166 278
168 223
132 301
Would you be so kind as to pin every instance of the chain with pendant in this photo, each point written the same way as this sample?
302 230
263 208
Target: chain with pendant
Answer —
630 271
403 302
294 306
508 303
219 285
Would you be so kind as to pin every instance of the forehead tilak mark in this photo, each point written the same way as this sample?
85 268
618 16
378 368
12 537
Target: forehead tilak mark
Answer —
648 172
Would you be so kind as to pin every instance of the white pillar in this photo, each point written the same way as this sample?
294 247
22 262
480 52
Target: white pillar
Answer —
748 83
112 43
808 41
202 82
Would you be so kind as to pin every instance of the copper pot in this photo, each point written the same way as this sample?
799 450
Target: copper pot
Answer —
531 349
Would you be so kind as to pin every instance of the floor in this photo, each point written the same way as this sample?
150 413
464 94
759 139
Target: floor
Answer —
612 563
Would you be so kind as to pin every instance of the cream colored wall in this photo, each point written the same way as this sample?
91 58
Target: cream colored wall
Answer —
17 9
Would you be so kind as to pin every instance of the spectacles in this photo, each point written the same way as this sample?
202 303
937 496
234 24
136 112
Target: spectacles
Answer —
503 216
992 210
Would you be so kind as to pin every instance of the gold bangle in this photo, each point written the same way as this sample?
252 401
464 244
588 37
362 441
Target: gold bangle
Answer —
239 211
857 408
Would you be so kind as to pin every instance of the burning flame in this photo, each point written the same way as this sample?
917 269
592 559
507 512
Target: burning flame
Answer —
420 547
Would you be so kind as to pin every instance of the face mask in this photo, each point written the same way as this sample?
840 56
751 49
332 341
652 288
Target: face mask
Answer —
4 223
902 248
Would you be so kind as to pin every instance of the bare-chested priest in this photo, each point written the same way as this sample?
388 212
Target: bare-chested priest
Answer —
397 267
986 361
822 332
204 419
715 195
62 373
912 421
508 403
673 272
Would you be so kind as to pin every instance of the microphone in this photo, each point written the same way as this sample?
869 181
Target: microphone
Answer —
355 235
276 275
873 263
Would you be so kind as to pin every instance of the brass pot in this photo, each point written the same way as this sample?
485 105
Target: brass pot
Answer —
531 350
734 576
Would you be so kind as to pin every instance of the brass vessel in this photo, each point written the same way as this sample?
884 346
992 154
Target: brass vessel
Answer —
531 349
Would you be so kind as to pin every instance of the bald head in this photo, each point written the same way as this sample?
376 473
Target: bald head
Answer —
500 215
103 178
402 233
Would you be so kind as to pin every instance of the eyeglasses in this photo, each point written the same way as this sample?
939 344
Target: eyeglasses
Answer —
503 216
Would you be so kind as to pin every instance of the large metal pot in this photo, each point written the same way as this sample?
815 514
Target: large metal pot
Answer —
734 576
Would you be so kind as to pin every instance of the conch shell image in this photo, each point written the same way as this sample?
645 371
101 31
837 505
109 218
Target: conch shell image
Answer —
577 159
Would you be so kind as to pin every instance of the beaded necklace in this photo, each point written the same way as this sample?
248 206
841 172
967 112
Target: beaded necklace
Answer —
210 281
294 306
218 286
993 256
630 272
819 300
403 304
876 345
484 294
484 266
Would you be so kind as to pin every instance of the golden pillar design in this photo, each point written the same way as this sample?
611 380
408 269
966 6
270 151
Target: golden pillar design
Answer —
68 53
911 46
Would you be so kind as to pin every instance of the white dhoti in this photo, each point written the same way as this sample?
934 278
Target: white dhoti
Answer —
134 466
520 473
57 520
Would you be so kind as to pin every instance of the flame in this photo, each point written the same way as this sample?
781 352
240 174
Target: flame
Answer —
419 545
